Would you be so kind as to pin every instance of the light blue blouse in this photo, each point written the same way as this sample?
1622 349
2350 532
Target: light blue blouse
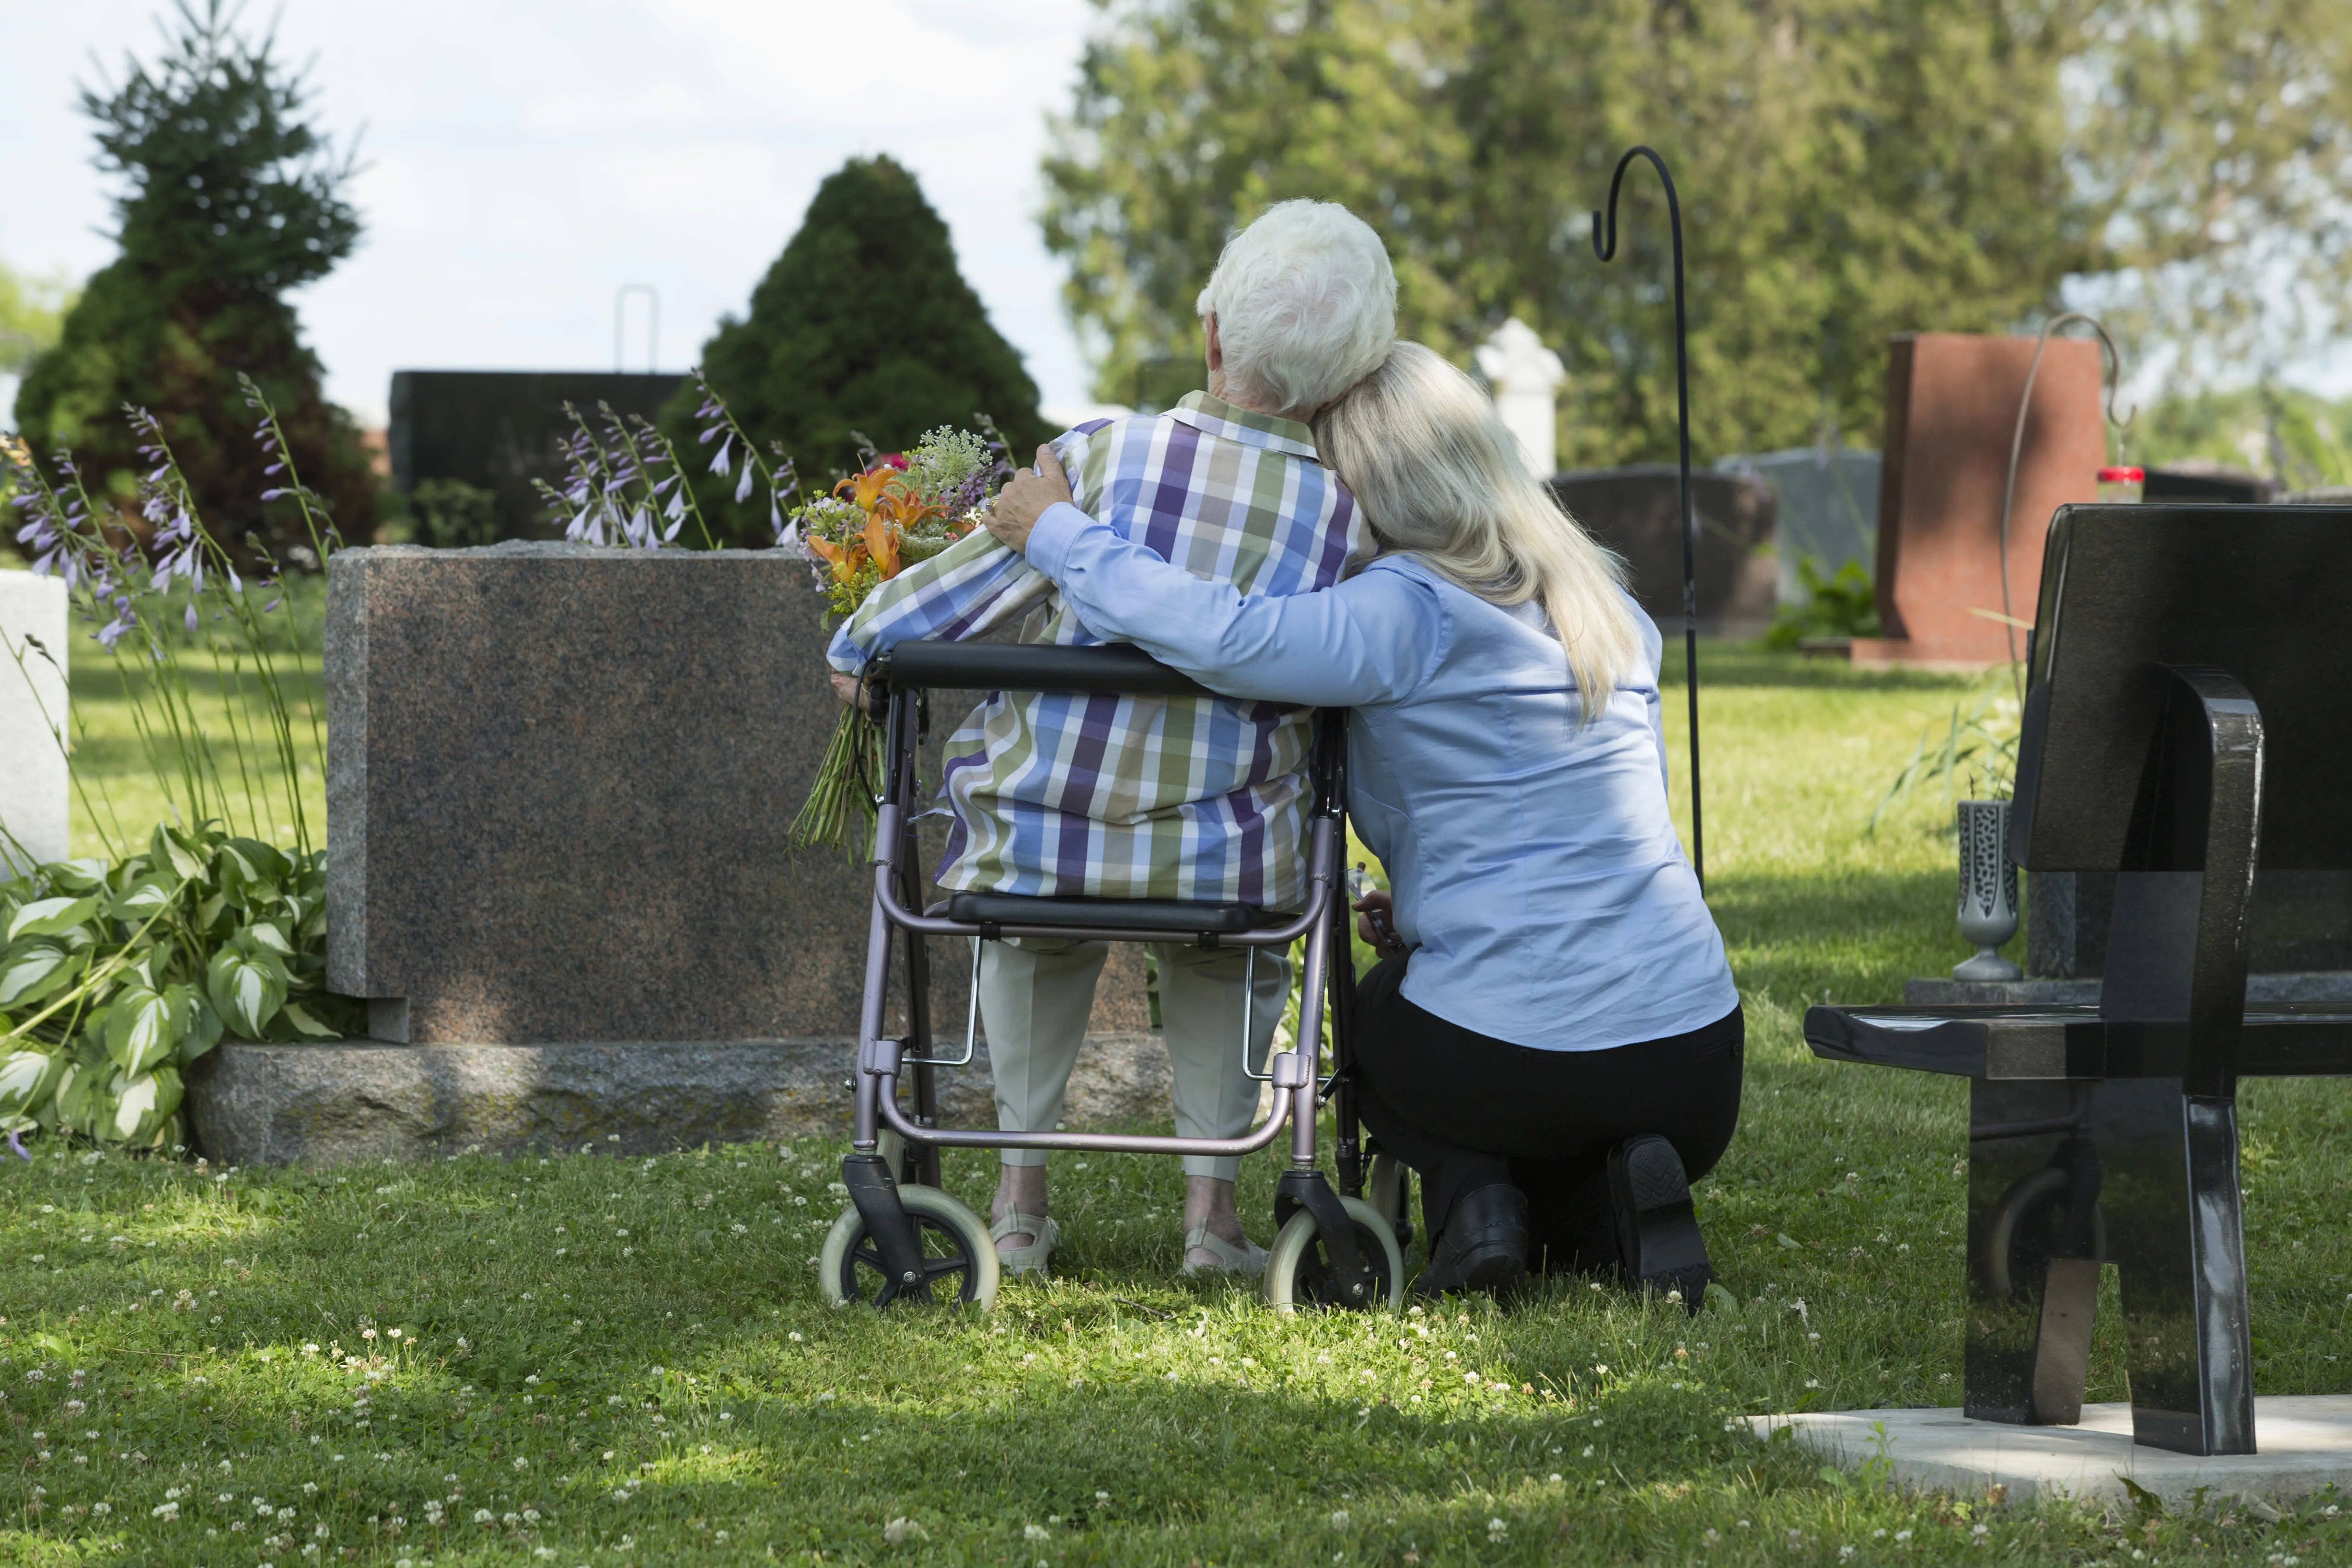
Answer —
1536 870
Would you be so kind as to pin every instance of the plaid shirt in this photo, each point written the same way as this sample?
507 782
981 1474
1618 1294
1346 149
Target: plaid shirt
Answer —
1135 797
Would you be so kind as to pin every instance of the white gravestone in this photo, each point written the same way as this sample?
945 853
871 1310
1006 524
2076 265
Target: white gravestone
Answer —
33 783
1526 377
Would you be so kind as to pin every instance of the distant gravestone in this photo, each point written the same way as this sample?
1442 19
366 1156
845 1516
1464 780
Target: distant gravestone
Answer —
1526 377
560 785
1825 508
499 430
1951 417
1637 512
34 819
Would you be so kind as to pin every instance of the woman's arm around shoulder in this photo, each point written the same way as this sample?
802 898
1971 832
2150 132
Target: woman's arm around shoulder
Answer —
1373 638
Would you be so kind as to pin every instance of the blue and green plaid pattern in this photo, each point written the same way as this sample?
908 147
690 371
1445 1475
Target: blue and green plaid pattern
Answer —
1135 797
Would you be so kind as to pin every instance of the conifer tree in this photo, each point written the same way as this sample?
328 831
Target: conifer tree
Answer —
864 325
230 198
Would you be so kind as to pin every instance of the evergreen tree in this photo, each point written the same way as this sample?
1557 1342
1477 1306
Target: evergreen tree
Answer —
231 197
865 325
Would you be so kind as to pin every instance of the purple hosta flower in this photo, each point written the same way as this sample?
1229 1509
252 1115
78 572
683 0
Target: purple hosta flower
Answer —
743 485
15 1147
111 633
191 617
726 455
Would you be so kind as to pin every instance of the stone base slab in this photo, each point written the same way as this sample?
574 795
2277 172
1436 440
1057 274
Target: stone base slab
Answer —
2317 985
371 1100
2305 1442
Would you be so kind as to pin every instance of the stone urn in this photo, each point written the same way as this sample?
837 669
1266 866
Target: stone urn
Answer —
1987 890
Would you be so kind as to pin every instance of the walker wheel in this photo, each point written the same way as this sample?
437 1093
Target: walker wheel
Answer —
1298 1270
1389 1189
2025 1225
959 1267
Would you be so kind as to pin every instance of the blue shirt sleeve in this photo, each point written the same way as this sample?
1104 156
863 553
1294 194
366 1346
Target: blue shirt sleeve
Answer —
1373 638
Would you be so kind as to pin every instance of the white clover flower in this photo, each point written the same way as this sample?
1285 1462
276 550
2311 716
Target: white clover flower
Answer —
1035 1533
484 1516
1339 1519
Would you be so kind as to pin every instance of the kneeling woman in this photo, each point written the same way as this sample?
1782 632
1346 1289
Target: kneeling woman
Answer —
1554 1044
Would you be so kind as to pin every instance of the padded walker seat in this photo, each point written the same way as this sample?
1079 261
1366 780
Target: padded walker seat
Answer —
1129 914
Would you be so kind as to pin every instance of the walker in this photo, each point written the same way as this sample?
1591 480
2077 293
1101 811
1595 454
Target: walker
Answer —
902 1237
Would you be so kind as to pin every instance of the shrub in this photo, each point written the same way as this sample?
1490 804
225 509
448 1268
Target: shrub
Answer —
231 198
863 326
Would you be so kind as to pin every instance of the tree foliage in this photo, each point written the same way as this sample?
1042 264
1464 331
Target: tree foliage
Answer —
230 197
1848 169
30 311
863 326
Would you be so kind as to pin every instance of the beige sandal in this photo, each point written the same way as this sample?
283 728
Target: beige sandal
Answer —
1248 1258
1030 1259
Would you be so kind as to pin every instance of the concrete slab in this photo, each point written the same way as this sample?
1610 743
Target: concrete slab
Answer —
371 1100
2306 1441
35 818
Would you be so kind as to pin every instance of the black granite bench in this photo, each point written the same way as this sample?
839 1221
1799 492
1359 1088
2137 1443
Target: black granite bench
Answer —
2187 718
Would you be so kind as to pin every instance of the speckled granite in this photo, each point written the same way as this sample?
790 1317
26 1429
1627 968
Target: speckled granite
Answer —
560 786
370 1099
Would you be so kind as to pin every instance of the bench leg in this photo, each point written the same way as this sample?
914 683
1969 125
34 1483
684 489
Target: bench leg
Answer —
2176 1229
2032 1252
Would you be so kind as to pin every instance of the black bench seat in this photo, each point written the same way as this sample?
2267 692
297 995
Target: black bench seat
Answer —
2182 729
1996 1041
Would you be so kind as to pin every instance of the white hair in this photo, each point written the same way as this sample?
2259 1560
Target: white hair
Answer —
1439 478
1306 305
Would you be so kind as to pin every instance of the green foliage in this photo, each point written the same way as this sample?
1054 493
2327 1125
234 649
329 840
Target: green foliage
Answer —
450 514
1843 606
115 977
30 311
2294 436
1848 169
230 198
1975 748
863 328
142 959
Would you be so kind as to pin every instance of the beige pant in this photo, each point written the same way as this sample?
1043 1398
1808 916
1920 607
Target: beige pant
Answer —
1035 996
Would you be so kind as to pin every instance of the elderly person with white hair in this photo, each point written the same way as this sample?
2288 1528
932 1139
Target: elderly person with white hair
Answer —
1200 799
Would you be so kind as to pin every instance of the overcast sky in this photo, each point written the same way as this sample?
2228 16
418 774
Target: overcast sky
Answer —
525 158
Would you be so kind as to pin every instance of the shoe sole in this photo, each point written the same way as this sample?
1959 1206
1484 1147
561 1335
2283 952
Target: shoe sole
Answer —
1658 1230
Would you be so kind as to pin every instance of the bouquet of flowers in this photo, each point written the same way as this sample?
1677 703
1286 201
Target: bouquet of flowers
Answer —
900 510
627 487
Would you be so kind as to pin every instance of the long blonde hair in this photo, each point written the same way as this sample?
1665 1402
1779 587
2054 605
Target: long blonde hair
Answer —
1441 478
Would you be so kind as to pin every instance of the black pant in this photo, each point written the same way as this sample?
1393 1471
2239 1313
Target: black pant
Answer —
1467 1111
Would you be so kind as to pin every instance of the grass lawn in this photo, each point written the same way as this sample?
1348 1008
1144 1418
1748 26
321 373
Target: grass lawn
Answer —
594 1361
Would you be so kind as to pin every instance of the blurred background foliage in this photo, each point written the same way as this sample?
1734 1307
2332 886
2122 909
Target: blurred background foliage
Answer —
1849 169
228 197
863 328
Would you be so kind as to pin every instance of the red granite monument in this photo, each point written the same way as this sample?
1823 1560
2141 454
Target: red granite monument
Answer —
1952 412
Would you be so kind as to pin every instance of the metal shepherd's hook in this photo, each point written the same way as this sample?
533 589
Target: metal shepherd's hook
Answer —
1606 250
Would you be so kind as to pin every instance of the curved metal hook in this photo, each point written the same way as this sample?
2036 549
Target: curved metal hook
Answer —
1606 250
2017 447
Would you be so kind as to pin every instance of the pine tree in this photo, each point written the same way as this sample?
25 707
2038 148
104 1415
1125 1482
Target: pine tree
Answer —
231 197
863 326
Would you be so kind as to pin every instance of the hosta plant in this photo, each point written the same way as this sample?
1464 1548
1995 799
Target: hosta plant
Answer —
115 977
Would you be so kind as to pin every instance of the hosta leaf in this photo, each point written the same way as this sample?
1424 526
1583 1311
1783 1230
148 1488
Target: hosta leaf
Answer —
27 1078
81 1101
209 913
247 987
205 1025
50 917
144 1027
142 899
166 849
307 1026
76 876
31 970
265 935
140 1104
256 861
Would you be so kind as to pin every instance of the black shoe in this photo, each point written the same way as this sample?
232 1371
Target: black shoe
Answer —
1483 1246
1658 1237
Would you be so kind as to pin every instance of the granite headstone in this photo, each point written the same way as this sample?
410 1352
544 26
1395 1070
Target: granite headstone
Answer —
1637 512
560 786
